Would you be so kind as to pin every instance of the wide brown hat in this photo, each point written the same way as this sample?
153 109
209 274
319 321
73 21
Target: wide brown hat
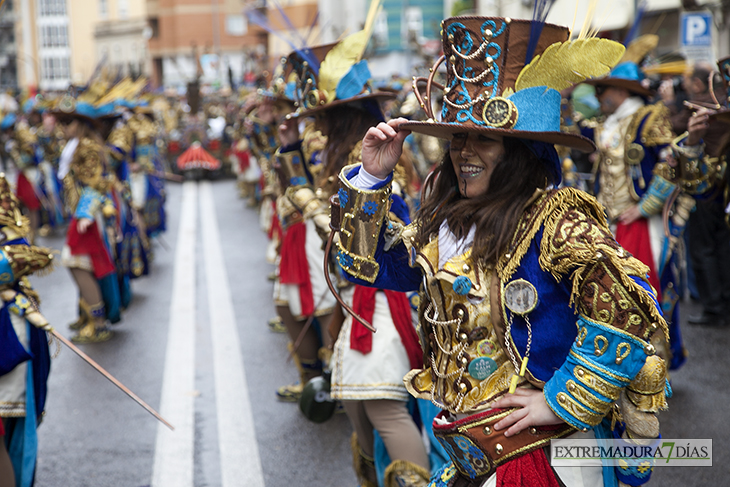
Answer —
627 74
495 86
352 86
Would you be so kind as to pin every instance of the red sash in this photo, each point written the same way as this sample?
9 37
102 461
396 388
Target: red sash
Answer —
26 193
634 238
90 243
363 303
294 267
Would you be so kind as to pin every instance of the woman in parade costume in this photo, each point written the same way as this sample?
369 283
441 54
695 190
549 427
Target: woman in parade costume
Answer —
24 356
92 233
366 369
298 295
504 263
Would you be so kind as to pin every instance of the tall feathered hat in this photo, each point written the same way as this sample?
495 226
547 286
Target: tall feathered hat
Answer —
628 74
504 76
335 74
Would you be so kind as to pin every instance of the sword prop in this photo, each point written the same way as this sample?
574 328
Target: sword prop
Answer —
110 377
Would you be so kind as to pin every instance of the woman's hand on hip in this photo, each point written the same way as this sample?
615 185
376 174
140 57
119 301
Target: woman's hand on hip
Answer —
534 411
382 147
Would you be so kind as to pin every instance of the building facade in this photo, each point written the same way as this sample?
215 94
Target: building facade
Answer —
206 40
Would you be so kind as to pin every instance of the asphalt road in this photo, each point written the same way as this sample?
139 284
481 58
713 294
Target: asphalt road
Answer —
194 344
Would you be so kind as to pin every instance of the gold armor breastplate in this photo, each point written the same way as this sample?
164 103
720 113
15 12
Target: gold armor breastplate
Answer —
468 367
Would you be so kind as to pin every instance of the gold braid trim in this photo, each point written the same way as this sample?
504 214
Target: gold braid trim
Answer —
71 193
11 219
546 204
577 242
655 131
121 137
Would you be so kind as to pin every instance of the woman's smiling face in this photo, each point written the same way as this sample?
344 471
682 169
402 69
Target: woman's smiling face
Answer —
474 157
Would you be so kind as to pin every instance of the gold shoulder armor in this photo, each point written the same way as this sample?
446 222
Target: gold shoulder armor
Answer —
656 130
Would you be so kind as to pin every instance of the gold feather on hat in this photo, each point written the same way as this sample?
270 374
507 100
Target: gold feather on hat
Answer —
346 54
565 63
639 48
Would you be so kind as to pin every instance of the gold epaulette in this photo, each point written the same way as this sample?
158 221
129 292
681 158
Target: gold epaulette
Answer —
312 141
577 242
87 165
121 137
362 214
656 130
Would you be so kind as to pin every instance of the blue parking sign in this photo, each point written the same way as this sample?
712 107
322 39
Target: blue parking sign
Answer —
696 29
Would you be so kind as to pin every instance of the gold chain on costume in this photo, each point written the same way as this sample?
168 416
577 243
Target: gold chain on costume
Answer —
458 351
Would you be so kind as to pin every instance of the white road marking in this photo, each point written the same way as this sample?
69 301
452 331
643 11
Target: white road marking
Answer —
173 465
239 453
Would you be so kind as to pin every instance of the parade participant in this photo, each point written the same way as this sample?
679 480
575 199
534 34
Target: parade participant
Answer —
133 251
147 169
51 141
698 171
366 369
631 181
92 232
24 355
505 261
708 237
260 127
25 153
289 167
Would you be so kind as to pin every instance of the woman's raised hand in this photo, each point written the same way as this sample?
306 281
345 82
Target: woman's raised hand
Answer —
382 147
289 132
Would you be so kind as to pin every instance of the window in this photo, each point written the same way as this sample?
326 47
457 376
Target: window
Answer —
380 31
154 27
123 8
236 25
56 68
103 9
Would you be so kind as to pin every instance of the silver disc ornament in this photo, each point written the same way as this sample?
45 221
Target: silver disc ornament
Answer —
520 297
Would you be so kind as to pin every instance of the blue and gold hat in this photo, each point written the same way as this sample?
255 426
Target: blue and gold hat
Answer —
504 76
330 75
627 74
336 74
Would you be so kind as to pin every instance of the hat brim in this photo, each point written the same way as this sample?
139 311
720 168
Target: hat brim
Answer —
379 96
67 117
446 130
627 84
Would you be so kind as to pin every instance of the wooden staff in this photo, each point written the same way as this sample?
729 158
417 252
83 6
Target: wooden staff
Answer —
111 378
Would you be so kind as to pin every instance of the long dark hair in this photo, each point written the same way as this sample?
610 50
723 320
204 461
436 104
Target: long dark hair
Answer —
495 214
344 126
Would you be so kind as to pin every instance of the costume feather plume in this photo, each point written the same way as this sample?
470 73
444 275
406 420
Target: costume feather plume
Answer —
566 63
345 54
639 48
